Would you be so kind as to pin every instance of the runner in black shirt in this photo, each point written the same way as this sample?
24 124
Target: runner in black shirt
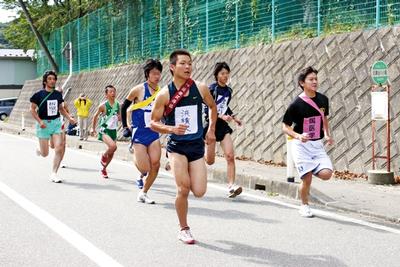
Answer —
180 103
222 95
308 114
46 106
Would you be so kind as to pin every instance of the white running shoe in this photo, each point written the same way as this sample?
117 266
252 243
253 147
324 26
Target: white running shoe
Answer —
54 178
305 211
234 190
37 151
142 197
186 236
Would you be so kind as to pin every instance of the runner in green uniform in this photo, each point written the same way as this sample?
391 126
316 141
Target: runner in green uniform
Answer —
107 130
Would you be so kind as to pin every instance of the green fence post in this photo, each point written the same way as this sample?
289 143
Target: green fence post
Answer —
88 40
54 46
62 45
237 23
69 38
377 15
319 18
206 25
273 21
78 48
127 35
161 29
98 37
142 28
112 40
181 21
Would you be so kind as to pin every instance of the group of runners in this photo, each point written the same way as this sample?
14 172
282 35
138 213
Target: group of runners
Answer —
177 110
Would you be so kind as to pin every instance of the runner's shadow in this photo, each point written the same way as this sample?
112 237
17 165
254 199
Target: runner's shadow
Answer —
87 186
125 181
80 169
162 186
271 257
223 214
163 192
243 200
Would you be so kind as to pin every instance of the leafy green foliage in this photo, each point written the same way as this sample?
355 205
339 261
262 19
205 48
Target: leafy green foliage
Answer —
3 42
48 16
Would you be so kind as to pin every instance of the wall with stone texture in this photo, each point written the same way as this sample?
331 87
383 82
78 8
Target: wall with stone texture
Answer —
264 82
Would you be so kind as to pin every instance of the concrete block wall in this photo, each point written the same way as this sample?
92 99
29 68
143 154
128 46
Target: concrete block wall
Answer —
264 82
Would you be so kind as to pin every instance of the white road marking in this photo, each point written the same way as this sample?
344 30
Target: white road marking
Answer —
76 240
261 198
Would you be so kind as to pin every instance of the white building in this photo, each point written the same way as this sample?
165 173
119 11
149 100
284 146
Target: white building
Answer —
16 66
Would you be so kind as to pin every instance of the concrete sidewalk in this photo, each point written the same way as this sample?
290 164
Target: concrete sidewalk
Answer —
356 196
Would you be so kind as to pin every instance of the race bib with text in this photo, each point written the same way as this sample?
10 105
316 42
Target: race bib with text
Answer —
222 106
52 107
147 119
312 126
187 115
112 123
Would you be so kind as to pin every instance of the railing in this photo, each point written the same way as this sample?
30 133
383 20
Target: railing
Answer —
153 28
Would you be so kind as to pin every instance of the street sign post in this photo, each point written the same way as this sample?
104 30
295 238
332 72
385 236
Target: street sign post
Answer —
379 72
380 111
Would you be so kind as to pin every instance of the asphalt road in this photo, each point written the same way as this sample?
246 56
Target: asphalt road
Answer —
89 221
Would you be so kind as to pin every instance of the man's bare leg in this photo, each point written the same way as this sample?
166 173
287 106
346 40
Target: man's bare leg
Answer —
180 170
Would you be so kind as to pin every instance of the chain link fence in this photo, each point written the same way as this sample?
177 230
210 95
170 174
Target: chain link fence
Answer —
153 28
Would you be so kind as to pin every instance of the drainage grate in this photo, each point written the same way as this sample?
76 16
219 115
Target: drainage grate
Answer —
259 187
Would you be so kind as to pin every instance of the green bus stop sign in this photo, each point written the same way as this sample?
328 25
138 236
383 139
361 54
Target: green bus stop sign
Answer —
379 72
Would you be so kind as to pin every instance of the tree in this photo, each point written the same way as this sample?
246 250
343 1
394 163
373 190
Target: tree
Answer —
38 36
47 16
3 42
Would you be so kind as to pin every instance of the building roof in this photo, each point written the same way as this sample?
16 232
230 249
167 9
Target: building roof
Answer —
16 53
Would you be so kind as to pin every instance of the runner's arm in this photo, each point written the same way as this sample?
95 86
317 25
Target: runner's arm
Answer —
328 137
96 116
157 113
119 114
289 131
35 115
212 107
66 107
65 113
212 112
127 103
128 115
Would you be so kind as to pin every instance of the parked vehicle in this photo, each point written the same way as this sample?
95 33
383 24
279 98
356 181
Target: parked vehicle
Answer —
6 106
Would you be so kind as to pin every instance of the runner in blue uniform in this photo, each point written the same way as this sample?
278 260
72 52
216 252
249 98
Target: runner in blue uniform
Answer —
180 103
146 143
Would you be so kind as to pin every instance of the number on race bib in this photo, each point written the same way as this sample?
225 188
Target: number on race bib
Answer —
147 119
52 107
187 115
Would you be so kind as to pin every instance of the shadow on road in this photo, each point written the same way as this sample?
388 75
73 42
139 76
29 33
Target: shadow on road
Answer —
79 169
223 214
265 256
87 186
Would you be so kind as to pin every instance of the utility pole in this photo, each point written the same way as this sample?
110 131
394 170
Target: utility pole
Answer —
38 36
